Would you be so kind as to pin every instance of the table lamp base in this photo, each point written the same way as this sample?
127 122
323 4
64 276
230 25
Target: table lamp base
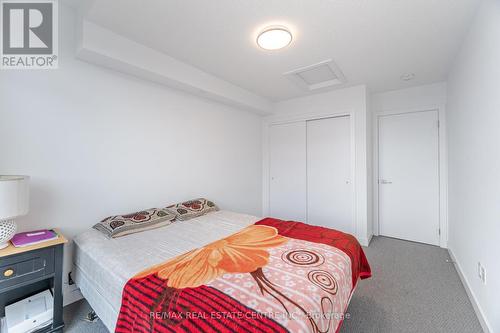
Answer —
7 231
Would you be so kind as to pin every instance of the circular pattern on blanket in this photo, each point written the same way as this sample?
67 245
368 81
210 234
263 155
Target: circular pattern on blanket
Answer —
303 258
324 280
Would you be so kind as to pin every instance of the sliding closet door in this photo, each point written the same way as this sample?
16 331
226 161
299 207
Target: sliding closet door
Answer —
287 157
329 186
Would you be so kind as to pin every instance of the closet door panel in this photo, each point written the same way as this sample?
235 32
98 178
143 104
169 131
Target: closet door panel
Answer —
329 185
287 158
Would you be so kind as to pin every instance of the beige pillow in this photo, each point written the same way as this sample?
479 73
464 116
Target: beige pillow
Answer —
193 208
120 225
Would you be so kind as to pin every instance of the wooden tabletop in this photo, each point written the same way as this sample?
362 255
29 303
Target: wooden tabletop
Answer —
11 249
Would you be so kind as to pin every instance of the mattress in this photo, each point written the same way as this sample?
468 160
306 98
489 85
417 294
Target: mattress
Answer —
103 266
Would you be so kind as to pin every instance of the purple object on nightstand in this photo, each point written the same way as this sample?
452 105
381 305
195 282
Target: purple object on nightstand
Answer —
33 237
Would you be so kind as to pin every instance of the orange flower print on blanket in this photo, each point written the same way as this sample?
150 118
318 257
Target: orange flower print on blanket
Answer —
243 252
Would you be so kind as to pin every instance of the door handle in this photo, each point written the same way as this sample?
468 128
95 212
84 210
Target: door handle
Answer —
383 181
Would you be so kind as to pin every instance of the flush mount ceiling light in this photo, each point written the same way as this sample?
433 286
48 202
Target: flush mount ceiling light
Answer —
274 38
408 76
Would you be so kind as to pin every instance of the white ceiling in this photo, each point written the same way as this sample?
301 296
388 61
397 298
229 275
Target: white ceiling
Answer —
373 42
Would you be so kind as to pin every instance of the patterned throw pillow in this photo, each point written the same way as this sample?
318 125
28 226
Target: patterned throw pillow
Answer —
193 208
121 225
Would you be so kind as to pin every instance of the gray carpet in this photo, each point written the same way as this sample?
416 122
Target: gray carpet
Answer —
413 289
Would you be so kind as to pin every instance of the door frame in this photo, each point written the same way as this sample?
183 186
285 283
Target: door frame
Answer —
286 119
442 162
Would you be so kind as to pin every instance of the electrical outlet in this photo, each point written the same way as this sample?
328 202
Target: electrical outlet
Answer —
481 272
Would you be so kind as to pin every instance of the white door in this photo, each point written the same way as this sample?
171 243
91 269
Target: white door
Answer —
287 157
329 186
409 176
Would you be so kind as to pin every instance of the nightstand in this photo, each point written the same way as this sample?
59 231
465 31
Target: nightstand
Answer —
25 271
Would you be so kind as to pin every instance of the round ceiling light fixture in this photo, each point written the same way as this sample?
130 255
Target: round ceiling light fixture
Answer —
274 38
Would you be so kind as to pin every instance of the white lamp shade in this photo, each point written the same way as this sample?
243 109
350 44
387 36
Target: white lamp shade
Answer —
14 196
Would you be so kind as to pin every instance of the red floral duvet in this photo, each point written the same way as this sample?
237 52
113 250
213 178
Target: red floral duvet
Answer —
273 276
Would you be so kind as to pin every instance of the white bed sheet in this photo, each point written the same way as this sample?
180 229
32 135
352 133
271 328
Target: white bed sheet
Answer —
103 266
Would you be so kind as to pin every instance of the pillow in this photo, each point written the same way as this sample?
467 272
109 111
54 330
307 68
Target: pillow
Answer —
193 208
121 225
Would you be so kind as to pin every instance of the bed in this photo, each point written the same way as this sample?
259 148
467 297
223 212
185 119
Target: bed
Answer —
105 270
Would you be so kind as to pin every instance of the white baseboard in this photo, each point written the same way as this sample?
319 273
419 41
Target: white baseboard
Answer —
365 241
71 296
477 308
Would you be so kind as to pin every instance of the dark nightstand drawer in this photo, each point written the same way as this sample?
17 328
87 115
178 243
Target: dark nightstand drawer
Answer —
24 267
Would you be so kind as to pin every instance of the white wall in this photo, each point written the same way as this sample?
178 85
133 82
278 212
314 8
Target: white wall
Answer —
419 98
369 166
104 47
350 100
98 143
474 160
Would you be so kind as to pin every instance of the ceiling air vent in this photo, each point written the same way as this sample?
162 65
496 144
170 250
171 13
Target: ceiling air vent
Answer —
321 75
